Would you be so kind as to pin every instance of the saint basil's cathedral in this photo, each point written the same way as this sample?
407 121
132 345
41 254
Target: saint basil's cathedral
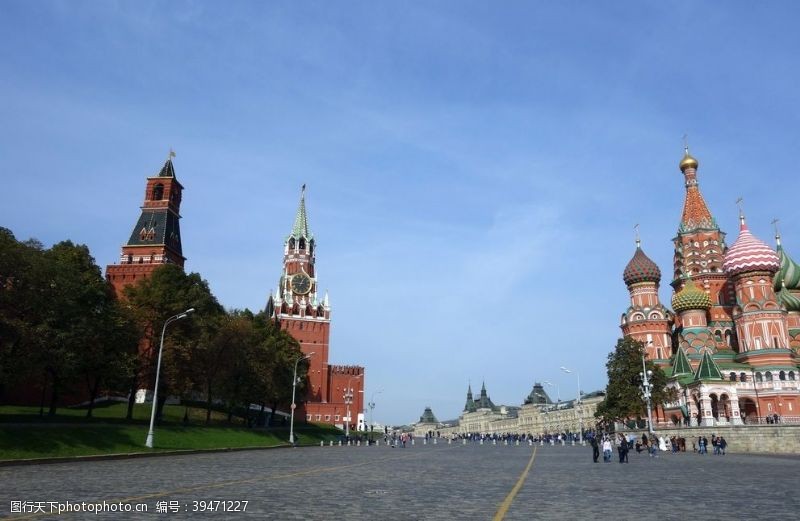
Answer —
730 344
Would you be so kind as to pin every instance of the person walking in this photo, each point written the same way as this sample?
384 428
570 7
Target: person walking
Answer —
623 449
722 444
595 448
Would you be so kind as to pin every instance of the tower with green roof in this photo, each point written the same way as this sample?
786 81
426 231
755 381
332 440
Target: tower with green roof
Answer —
304 311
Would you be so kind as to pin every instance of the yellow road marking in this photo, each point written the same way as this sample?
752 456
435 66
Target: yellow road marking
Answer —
501 512
221 484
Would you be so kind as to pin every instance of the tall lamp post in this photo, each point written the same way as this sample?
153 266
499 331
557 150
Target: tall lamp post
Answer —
371 405
647 389
149 441
577 402
348 399
294 388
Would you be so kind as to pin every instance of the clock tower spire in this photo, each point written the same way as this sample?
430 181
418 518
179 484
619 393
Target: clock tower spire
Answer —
305 313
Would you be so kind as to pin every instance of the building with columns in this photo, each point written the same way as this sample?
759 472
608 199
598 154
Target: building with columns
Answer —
335 393
730 343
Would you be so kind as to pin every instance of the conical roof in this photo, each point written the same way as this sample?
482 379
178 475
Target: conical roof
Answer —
469 406
690 297
641 268
680 364
749 253
428 416
708 369
695 212
167 170
300 227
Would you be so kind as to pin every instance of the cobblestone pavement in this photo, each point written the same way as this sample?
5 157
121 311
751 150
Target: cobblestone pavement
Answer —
435 482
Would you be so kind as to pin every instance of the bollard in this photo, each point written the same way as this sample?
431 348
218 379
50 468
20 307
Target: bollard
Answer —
481 441
330 443
505 442
541 443
435 441
530 442
358 443
340 443
449 441
321 443
494 442
573 443
425 441
464 441
413 441
517 443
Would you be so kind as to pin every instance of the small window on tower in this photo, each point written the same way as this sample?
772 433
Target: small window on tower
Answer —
302 244
158 192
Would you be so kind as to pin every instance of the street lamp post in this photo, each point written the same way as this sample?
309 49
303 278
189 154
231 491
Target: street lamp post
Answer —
647 389
294 388
371 405
577 403
348 399
149 441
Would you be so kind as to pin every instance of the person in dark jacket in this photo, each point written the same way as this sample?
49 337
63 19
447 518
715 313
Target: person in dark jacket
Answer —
595 448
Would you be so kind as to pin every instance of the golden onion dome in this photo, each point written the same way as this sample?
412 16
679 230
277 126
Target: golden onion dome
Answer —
688 161
690 297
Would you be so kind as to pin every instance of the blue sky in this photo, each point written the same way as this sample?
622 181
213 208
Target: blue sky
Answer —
474 169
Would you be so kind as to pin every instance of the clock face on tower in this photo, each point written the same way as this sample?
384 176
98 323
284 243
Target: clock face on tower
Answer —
301 284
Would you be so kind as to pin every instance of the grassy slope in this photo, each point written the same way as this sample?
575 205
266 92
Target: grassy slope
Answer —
26 435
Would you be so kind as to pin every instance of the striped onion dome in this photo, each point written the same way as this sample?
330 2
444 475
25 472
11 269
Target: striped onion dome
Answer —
641 268
690 297
788 299
749 253
789 272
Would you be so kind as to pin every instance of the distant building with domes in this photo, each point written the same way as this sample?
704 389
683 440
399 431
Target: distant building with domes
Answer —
730 344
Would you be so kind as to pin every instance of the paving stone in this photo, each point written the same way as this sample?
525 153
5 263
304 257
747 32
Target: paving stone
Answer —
424 482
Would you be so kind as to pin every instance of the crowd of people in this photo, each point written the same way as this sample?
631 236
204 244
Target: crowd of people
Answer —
651 444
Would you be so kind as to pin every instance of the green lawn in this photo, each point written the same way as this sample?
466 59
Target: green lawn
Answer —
24 434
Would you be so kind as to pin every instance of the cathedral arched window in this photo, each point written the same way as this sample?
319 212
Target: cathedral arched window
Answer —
742 377
718 335
791 375
158 192
782 375
733 376
759 378
291 243
768 376
302 244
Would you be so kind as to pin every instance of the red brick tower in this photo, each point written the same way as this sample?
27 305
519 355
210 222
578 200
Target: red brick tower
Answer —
699 254
156 237
301 312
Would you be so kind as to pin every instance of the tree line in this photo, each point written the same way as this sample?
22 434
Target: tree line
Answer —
64 332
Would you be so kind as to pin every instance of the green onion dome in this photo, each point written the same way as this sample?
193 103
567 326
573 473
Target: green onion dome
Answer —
790 301
690 297
641 269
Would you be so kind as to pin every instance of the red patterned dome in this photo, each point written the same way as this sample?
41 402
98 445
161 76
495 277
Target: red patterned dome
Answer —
641 269
749 253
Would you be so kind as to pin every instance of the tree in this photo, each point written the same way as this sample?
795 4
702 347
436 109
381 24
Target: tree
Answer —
109 351
20 300
623 394
76 296
168 291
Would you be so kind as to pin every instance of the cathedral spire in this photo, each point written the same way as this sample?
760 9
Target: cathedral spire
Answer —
695 211
300 227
